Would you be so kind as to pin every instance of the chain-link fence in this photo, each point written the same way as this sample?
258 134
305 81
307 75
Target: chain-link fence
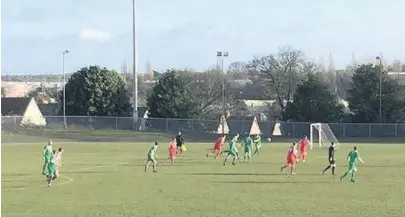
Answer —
199 127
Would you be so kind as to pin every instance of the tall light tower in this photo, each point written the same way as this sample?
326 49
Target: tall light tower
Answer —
64 88
379 58
220 60
135 73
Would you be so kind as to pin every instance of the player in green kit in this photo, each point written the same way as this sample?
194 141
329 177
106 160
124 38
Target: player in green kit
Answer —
152 154
352 157
52 170
233 150
247 144
47 156
257 141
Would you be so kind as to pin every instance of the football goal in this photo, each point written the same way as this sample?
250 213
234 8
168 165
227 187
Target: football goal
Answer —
322 135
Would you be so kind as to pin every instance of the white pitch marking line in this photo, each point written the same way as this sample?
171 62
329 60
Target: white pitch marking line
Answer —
63 183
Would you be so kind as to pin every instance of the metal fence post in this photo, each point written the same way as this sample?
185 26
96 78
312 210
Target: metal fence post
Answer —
91 123
293 129
167 124
192 124
344 129
396 129
369 130
116 123
15 123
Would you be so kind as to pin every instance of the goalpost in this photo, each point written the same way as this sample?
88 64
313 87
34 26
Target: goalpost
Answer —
322 134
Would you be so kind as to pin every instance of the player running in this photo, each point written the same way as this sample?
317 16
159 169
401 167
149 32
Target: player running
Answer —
352 157
291 159
179 143
233 150
47 156
303 145
172 151
331 158
52 169
247 144
152 154
257 141
218 146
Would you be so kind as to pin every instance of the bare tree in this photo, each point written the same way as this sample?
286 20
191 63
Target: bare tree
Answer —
208 90
281 73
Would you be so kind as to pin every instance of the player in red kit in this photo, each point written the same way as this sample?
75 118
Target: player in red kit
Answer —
304 144
218 146
291 159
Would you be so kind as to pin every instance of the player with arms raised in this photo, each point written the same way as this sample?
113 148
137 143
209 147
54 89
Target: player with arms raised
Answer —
303 145
352 157
152 154
331 158
291 159
257 141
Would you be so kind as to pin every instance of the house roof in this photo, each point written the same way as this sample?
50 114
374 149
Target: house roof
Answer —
14 105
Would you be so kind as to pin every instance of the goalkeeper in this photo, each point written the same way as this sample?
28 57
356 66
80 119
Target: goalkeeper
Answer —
257 141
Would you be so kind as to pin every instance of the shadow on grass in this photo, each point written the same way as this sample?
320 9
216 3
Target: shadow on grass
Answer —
17 174
89 172
270 182
238 174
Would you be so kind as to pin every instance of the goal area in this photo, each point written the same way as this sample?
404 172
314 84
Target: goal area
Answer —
322 135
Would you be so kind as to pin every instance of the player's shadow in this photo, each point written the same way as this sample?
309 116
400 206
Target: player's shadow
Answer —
270 182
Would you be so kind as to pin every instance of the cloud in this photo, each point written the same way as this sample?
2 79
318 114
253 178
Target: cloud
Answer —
94 35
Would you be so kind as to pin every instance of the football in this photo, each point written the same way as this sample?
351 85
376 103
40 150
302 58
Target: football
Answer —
269 139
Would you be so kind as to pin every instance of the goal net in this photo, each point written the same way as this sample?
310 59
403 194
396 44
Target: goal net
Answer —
322 135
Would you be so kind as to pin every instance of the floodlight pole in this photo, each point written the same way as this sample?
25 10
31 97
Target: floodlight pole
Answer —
64 88
221 55
135 73
381 71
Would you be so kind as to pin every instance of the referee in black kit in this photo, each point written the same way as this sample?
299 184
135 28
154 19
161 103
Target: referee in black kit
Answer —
179 143
331 155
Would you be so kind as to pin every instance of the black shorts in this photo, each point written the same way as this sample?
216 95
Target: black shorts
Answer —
331 162
178 145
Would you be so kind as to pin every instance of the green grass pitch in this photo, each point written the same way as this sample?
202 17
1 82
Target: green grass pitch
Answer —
107 179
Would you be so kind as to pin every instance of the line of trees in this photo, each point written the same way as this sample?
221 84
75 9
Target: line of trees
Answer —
301 90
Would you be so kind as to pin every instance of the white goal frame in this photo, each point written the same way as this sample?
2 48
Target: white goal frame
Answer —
320 127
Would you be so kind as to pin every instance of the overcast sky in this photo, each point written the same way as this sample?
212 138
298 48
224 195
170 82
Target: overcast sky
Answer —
187 33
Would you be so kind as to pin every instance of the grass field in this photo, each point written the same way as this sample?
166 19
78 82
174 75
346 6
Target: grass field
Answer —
106 180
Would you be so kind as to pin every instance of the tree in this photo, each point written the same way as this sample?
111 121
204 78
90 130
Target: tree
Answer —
44 93
280 74
314 102
207 90
172 96
364 96
95 91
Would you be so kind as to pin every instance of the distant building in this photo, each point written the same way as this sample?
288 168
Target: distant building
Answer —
20 89
26 108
